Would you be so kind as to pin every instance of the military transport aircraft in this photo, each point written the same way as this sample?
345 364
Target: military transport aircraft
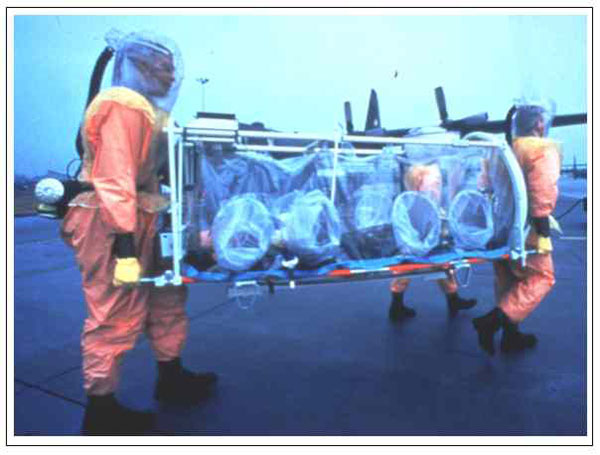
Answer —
477 122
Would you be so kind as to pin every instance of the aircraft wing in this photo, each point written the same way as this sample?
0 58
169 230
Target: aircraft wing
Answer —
487 126
572 119
499 126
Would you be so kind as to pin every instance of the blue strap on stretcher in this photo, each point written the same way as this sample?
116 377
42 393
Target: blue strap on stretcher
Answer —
363 264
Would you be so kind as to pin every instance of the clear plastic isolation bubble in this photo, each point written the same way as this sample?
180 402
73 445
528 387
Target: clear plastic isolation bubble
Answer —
470 219
241 232
416 222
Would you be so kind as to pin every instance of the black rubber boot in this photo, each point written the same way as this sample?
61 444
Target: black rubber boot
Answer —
104 416
398 311
486 326
456 303
515 341
177 385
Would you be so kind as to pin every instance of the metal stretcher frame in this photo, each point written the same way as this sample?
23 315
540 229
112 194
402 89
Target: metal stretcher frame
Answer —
182 140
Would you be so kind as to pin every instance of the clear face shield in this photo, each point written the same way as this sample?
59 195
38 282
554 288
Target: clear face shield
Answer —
149 64
532 118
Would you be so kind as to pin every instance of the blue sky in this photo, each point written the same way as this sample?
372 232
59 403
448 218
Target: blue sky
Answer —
295 72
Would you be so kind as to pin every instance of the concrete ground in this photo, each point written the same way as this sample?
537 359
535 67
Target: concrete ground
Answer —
319 360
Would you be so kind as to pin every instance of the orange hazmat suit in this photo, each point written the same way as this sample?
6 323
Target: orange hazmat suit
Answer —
519 290
121 131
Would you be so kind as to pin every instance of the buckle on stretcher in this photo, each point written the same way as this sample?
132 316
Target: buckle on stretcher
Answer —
461 271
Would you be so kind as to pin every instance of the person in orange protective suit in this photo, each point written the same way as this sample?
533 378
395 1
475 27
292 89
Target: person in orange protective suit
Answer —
519 290
112 232
425 178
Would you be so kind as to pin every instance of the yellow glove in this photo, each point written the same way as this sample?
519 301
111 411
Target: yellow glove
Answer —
544 245
127 271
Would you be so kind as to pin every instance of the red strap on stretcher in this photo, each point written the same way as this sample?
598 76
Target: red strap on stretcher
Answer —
189 280
395 269
407 268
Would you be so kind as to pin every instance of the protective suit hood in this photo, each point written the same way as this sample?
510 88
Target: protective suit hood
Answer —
149 64
527 115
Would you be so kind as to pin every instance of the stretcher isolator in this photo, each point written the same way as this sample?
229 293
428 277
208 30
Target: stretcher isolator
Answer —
336 206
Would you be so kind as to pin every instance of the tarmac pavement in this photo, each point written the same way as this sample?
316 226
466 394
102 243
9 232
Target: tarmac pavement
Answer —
318 360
